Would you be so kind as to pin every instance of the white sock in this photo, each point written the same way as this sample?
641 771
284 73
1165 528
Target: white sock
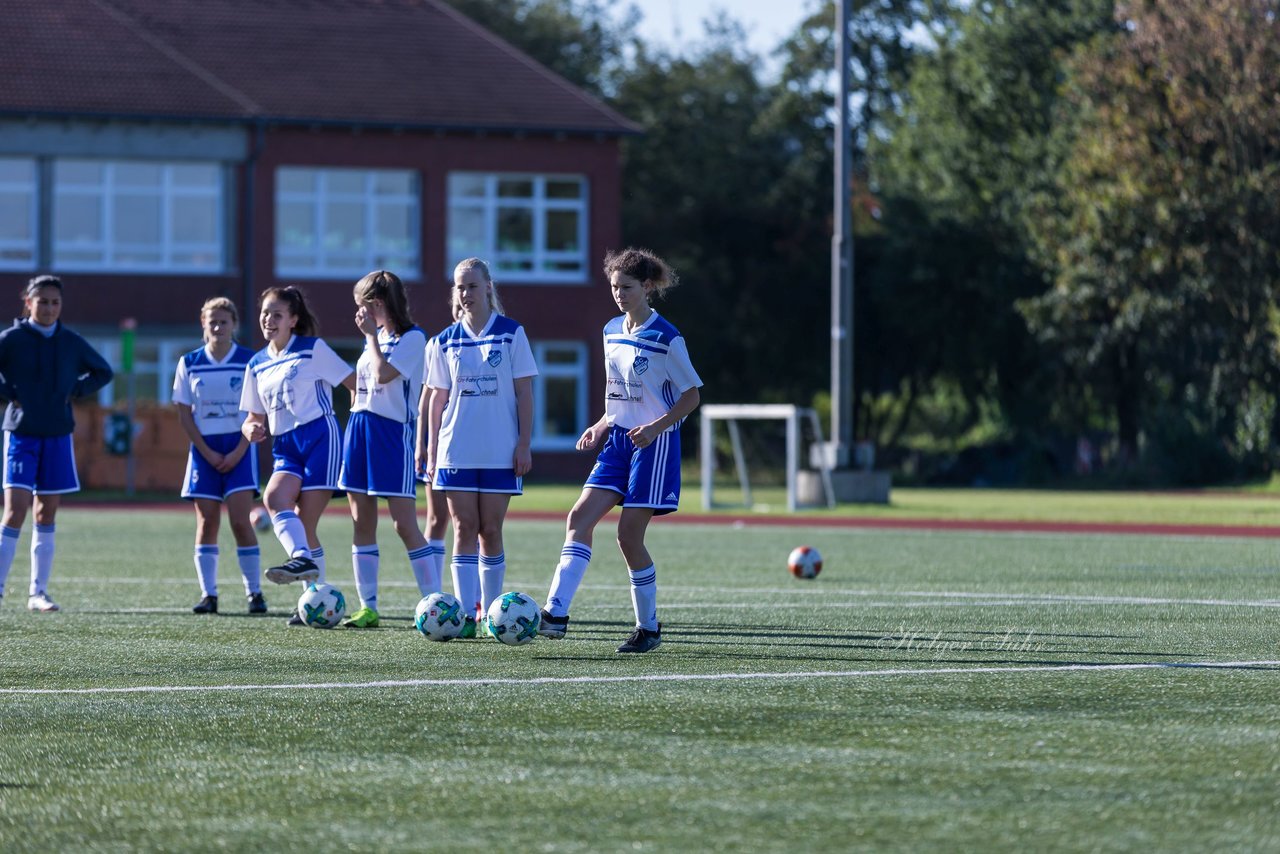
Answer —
644 596
250 559
42 543
8 551
317 555
574 558
291 534
466 582
364 560
437 559
422 562
493 572
206 558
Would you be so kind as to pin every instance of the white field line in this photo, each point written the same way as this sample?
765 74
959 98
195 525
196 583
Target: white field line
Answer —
827 594
670 677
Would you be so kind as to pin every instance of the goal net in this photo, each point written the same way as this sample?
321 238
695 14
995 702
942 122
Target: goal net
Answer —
753 453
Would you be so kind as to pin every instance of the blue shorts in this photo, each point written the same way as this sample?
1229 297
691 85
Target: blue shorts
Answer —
204 481
311 452
377 456
45 465
503 481
644 477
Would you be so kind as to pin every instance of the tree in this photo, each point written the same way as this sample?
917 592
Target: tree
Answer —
969 145
1159 232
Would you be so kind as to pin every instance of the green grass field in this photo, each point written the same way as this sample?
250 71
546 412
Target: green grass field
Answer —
929 691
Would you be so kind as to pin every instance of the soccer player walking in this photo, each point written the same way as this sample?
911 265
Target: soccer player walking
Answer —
43 366
288 388
222 468
437 504
650 387
480 431
380 441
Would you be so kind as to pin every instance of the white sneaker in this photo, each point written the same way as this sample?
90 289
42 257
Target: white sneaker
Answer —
41 602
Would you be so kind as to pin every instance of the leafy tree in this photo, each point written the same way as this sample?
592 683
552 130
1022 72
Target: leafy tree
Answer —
1159 231
970 144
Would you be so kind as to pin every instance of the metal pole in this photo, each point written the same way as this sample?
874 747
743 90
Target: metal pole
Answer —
842 395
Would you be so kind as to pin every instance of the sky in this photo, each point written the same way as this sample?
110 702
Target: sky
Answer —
672 23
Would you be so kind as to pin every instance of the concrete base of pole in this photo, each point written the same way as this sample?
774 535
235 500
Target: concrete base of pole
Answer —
851 486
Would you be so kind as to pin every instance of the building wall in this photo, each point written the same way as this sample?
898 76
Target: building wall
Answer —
96 303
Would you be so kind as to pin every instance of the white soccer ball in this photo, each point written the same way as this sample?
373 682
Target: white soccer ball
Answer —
804 562
260 518
321 606
439 617
513 618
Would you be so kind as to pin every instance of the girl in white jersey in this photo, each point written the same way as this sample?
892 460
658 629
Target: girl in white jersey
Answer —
651 387
222 468
380 441
288 388
481 426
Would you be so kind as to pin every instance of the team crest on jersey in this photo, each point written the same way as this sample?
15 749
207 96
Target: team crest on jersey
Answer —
236 382
293 372
495 358
641 364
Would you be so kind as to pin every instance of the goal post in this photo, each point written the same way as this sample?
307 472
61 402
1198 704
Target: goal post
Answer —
731 414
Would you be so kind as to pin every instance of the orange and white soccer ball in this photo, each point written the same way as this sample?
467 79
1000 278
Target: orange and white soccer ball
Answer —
804 562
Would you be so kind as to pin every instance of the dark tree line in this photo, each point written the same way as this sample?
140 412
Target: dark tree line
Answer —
1065 217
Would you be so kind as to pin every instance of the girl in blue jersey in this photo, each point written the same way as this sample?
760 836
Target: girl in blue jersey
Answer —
481 427
650 387
378 448
222 469
43 366
288 389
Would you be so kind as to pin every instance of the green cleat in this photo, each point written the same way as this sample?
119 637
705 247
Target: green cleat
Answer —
365 618
468 628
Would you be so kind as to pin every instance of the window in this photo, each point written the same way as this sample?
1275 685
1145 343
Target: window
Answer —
531 228
17 213
559 394
145 216
342 223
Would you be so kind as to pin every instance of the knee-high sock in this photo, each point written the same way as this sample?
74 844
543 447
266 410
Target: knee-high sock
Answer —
493 572
291 534
574 558
466 582
42 545
644 596
317 555
206 558
250 559
422 562
364 560
8 551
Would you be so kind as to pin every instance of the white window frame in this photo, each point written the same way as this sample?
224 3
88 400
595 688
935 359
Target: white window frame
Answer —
106 192
372 259
489 205
31 246
579 371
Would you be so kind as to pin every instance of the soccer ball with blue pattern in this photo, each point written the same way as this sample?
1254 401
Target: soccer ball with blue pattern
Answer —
439 617
322 606
513 618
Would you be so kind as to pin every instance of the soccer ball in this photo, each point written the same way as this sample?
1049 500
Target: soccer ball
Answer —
439 617
260 518
804 562
321 606
513 618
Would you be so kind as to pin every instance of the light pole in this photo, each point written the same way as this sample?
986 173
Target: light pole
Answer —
842 255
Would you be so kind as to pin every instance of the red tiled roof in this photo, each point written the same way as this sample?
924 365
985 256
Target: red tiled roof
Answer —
410 63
